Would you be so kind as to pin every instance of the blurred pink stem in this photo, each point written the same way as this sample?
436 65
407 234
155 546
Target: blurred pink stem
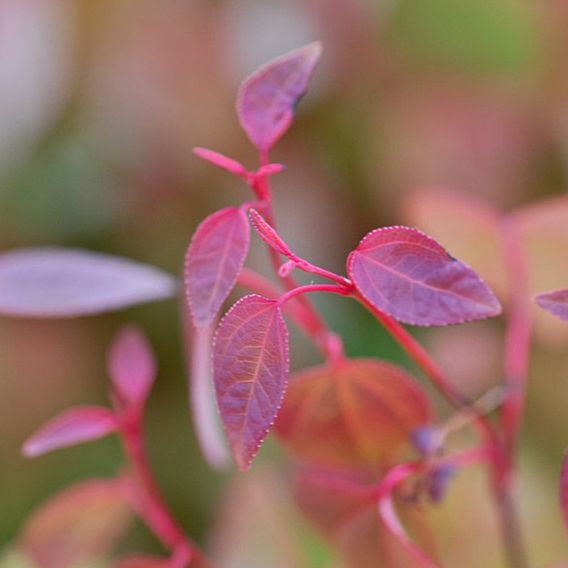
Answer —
148 501
517 337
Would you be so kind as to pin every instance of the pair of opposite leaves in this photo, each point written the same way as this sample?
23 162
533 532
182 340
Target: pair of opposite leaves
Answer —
397 270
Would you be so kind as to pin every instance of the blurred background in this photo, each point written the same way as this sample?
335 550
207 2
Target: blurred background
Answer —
100 106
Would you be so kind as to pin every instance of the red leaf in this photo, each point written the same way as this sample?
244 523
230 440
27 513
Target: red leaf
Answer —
563 489
213 261
72 427
57 282
409 276
269 235
78 526
221 161
267 98
250 369
555 303
131 366
359 413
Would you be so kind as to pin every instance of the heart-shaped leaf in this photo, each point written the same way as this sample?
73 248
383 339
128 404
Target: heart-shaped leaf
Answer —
250 370
409 276
131 367
72 427
213 261
267 98
359 413
58 282
555 303
78 526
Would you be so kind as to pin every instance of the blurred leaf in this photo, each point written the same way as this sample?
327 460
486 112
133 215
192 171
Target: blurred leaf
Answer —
476 35
544 234
52 282
359 413
79 525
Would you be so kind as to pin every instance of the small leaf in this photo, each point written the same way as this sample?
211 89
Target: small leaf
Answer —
213 261
555 303
544 237
267 98
78 526
269 235
360 413
221 161
409 276
58 282
563 489
250 369
131 366
72 427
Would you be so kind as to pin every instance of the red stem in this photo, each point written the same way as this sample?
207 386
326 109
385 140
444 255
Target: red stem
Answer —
148 501
517 336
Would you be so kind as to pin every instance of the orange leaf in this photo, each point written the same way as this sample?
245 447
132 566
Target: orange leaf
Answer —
359 413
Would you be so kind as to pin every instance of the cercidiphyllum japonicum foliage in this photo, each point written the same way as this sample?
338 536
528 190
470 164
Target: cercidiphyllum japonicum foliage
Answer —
349 422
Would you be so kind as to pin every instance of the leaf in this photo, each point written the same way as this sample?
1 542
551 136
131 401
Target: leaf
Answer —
250 370
563 490
204 413
409 276
79 525
467 225
360 413
213 261
221 161
267 99
555 303
59 283
72 427
544 237
269 235
131 366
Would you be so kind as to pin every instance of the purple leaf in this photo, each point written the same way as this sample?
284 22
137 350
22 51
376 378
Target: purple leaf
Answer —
58 282
269 235
267 98
213 261
221 161
250 369
131 367
74 426
555 303
409 276
563 489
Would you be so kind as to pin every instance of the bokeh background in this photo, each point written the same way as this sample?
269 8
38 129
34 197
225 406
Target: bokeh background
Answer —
100 106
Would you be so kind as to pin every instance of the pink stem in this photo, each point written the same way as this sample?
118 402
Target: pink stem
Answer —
148 501
517 336
398 475
308 288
